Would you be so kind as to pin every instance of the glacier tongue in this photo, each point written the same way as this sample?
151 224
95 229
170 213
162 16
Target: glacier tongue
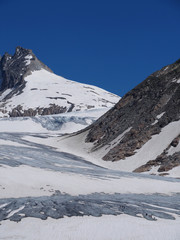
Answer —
60 123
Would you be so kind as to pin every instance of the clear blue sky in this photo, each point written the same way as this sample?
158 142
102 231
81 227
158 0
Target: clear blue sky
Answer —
111 44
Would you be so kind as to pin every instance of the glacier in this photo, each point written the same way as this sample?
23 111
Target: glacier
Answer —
48 192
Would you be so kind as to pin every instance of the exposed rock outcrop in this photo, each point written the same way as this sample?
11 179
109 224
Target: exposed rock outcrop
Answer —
145 111
166 161
53 109
15 68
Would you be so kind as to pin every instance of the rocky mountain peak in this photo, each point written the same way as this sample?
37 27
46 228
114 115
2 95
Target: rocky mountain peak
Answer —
13 69
30 88
20 50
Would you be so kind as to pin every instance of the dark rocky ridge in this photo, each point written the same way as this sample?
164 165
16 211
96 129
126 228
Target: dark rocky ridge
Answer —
53 109
138 110
13 69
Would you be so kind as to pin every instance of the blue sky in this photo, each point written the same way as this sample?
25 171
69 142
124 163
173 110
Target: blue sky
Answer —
111 44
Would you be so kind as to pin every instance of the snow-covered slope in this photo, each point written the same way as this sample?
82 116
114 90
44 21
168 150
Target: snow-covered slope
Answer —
87 228
45 90
141 160
30 88
141 132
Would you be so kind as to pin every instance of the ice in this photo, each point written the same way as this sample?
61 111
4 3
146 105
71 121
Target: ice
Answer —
46 175
61 123
26 181
15 211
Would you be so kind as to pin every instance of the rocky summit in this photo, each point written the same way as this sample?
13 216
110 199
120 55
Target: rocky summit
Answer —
29 88
15 68
142 131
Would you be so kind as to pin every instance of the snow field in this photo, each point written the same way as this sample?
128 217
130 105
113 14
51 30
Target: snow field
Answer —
25 181
120 227
149 151
43 89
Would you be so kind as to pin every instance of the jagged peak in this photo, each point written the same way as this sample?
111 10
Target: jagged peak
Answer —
14 68
22 51
18 51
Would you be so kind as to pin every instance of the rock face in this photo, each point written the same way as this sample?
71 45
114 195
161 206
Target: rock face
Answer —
52 109
30 88
150 109
15 68
164 161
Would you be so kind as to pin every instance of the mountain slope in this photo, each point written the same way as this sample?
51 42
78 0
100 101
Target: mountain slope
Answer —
142 131
29 88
